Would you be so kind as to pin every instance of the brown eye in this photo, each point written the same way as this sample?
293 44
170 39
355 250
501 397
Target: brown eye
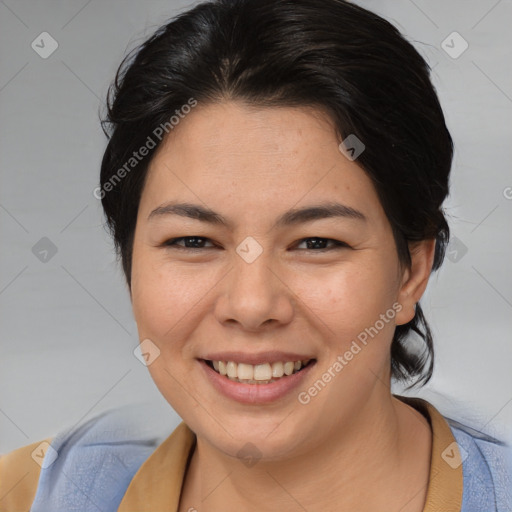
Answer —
319 244
189 243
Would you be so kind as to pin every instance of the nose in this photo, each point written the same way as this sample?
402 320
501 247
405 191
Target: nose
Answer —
254 296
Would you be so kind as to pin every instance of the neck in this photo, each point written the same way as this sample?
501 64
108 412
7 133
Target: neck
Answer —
381 459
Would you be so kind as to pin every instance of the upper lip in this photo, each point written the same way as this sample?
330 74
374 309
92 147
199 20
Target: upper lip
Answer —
272 356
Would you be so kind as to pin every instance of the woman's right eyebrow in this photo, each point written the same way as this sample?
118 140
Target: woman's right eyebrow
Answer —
289 218
192 211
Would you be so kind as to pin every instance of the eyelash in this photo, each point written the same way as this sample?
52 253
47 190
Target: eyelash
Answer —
172 243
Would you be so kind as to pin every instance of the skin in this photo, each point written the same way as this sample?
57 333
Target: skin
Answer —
353 444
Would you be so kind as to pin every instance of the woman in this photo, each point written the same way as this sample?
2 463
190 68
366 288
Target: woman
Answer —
273 182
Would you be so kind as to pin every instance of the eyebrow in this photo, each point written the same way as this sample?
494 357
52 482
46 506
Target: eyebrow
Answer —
289 218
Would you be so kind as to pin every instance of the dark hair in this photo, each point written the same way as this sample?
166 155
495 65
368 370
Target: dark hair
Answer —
328 54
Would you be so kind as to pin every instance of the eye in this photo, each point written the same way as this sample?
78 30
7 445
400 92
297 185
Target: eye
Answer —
195 243
319 244
190 243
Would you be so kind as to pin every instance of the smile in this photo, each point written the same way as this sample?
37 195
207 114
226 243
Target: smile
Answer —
264 373
253 379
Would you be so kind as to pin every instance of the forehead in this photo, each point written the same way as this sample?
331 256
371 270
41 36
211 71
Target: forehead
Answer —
243 160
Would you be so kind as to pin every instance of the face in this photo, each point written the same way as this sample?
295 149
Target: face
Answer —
251 275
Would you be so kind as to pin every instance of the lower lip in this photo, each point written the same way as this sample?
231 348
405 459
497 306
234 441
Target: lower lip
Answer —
255 393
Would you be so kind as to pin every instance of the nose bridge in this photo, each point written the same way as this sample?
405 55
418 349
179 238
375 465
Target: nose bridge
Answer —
252 281
254 294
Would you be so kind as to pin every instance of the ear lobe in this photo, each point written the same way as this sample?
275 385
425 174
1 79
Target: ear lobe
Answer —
415 278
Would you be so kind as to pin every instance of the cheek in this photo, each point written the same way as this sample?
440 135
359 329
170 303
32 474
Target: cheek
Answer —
350 298
163 296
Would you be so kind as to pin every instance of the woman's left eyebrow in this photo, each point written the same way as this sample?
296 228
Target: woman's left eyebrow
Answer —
317 212
289 218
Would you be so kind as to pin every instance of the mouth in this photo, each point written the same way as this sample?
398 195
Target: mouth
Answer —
258 374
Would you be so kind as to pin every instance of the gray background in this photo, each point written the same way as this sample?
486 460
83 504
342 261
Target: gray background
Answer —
67 332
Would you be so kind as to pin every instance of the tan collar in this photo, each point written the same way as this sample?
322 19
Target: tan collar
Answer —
445 479
158 482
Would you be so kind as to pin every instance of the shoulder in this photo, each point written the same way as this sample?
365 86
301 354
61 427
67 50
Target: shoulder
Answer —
483 463
88 466
19 476
487 469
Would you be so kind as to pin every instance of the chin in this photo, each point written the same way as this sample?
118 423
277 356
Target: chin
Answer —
267 438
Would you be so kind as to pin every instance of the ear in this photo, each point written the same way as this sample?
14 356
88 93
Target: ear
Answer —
415 278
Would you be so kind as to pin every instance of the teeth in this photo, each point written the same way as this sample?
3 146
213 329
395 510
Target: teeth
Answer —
277 370
231 368
288 367
259 373
246 371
